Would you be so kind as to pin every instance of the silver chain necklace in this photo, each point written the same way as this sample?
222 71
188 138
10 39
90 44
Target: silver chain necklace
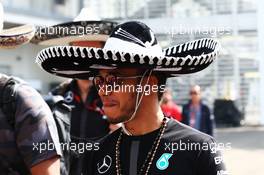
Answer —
151 153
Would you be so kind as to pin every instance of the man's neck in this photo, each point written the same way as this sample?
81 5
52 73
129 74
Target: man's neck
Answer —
196 103
145 121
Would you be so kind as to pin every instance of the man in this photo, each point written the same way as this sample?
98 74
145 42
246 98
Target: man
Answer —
132 75
197 114
168 107
88 122
25 138
25 120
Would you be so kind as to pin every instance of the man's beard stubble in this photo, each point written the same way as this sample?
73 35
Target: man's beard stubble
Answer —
125 112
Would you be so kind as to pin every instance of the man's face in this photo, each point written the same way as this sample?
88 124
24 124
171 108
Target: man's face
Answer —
119 105
195 94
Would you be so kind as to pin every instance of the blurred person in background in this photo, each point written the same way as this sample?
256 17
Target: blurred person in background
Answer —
197 114
88 122
169 107
25 119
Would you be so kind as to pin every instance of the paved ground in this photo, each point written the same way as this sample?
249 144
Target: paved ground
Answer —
246 157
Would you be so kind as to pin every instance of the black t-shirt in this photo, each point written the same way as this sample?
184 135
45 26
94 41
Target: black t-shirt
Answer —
182 151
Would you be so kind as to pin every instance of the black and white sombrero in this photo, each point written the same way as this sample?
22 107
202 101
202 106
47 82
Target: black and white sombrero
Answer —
131 44
16 36
85 27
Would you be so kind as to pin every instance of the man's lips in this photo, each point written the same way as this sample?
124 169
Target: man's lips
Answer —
109 103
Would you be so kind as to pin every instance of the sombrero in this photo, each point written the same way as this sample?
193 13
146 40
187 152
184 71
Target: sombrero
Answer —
85 27
131 44
13 37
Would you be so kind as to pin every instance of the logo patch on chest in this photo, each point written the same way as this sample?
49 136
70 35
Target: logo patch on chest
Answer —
163 162
104 165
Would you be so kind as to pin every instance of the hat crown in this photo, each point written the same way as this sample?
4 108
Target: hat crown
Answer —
136 32
134 37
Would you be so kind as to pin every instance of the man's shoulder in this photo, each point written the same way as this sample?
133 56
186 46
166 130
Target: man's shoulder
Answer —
10 81
30 106
204 105
25 92
110 138
177 131
4 76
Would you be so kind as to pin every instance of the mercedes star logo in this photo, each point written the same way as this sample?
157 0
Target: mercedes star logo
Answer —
69 97
104 166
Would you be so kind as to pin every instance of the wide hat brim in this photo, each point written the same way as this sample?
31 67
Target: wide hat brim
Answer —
83 62
11 38
65 33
